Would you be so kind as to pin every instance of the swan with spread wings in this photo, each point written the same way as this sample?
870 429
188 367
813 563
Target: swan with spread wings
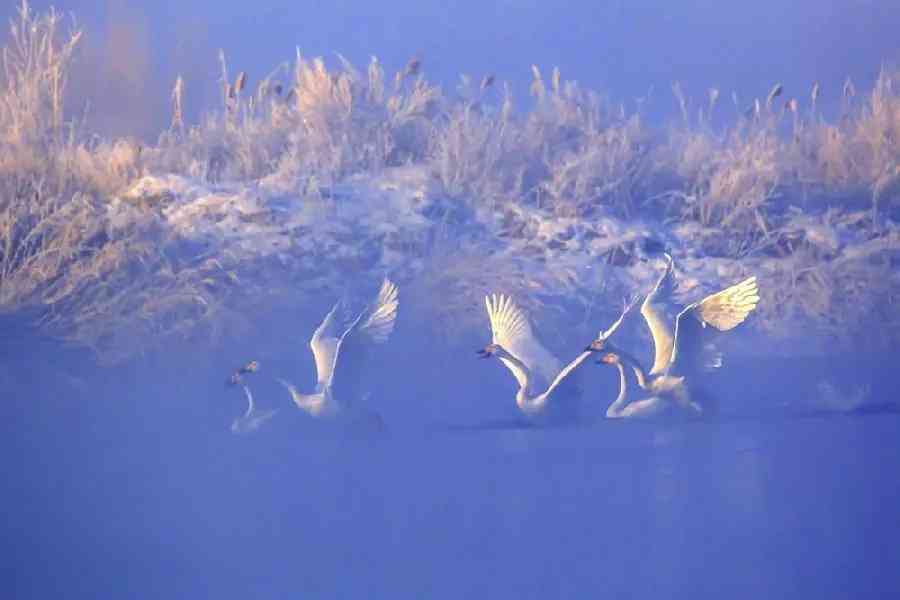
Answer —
339 346
544 383
681 353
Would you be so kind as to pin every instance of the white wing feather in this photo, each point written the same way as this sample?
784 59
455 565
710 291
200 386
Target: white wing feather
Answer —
723 310
375 322
374 325
382 314
654 314
324 344
511 330
727 309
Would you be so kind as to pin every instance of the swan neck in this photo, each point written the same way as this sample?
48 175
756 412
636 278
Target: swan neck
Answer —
249 400
615 409
526 374
632 363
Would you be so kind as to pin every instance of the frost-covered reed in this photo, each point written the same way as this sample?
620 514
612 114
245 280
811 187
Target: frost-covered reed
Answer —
810 201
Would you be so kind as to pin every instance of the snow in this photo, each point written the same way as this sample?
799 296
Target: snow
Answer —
388 222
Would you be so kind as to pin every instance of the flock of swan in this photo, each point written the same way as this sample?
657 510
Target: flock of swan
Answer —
682 354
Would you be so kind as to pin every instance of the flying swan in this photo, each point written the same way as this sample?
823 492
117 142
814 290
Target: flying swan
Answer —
539 374
680 353
338 346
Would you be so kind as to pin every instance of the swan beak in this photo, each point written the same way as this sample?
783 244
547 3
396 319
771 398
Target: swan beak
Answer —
482 353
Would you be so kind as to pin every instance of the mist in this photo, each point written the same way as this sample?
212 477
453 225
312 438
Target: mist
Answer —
153 244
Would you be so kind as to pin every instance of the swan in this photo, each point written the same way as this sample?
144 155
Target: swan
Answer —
680 352
236 377
540 375
652 406
252 419
338 346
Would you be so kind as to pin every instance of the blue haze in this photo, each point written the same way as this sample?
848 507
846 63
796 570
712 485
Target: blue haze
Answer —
126 482
134 49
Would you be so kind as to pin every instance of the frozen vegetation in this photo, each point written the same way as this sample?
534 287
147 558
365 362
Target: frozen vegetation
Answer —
318 176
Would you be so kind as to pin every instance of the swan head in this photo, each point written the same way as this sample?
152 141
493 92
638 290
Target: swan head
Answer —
609 358
236 379
601 344
490 350
250 367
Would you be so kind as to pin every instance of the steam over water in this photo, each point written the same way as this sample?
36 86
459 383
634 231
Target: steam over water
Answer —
126 481
136 488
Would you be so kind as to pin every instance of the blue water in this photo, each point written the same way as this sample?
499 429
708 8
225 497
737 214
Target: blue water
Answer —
146 494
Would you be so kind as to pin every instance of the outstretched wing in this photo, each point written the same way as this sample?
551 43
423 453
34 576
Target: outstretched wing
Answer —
727 309
380 316
373 326
324 344
511 330
723 310
654 315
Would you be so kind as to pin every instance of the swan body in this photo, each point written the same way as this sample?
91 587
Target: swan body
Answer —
338 345
539 374
680 353
621 408
253 418
660 402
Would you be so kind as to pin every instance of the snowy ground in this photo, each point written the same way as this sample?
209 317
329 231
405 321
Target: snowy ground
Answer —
399 223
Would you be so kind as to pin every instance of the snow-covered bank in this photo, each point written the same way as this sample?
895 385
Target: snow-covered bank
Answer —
316 180
287 241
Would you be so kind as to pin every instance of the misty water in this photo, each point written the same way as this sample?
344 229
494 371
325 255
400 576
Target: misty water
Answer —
127 482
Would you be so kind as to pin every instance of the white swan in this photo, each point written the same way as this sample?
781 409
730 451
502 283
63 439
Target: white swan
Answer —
680 353
252 419
539 374
338 346
653 406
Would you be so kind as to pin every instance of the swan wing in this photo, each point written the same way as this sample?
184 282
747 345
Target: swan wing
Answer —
324 344
511 330
727 309
723 311
379 318
373 326
653 311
